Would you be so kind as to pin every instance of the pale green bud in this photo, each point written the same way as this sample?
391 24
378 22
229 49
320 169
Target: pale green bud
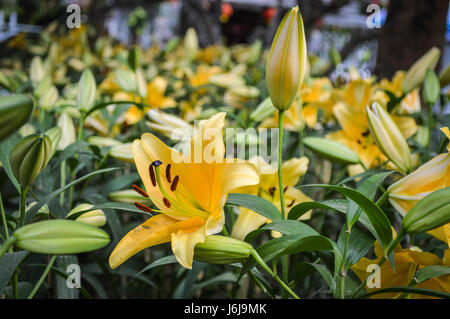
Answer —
191 44
286 64
263 110
430 212
331 150
125 79
15 110
388 137
29 157
431 87
416 73
222 250
86 90
60 237
37 72
49 98
68 135
54 134
93 217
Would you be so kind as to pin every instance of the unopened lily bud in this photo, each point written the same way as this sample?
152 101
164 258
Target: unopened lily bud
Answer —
54 134
49 98
93 217
86 90
122 152
191 44
15 111
129 196
263 110
331 150
429 213
68 135
141 84
44 210
43 87
37 71
60 237
125 79
416 73
444 77
222 250
388 137
286 64
29 157
103 141
431 87
226 80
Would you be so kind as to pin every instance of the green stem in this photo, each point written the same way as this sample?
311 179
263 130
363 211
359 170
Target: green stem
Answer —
301 147
41 280
23 201
6 245
261 262
63 182
343 270
5 225
80 127
280 162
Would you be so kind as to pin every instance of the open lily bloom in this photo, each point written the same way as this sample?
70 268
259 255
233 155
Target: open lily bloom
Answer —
188 189
268 188
407 262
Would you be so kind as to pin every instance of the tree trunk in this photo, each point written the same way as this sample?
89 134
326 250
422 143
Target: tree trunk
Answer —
412 28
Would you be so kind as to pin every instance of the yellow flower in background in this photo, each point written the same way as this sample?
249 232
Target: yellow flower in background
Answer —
407 262
202 74
294 119
189 195
351 116
317 95
268 188
156 94
431 176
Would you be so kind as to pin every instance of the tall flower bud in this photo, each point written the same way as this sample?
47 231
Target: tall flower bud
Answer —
68 135
29 157
388 137
15 111
286 64
416 73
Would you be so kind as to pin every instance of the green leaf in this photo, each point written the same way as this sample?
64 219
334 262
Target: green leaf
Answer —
429 272
256 204
160 262
300 209
369 188
62 290
111 205
286 227
33 210
8 264
5 149
359 243
225 277
379 221
410 290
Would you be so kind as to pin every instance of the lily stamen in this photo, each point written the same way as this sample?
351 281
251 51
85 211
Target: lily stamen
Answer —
152 175
169 201
173 187
139 190
168 175
143 207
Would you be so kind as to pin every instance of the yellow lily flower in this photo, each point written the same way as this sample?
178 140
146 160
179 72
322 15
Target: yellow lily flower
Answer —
190 195
294 119
407 262
155 94
431 176
267 188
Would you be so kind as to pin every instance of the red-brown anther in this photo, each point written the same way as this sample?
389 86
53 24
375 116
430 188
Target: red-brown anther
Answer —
173 187
292 203
168 176
166 202
285 189
152 175
139 190
143 207
272 190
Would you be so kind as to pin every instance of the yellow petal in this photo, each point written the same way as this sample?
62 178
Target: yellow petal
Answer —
156 230
183 243
247 222
293 169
